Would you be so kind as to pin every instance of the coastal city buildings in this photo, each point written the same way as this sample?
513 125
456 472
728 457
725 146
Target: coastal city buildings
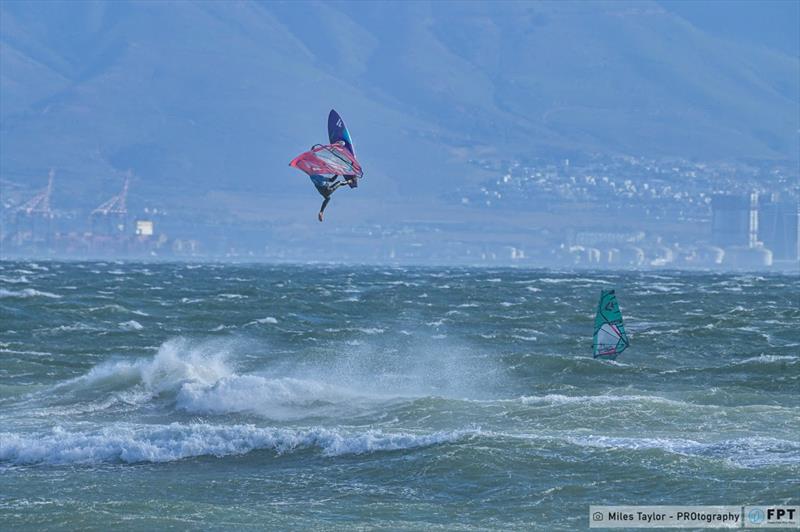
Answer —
595 212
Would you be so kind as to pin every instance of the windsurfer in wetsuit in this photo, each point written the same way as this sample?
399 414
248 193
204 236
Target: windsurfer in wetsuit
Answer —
326 186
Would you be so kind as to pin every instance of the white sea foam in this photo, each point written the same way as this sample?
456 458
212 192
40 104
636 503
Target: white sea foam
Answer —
27 292
665 287
407 284
768 359
24 352
262 321
371 330
14 280
131 325
559 399
111 308
556 280
751 452
79 326
147 443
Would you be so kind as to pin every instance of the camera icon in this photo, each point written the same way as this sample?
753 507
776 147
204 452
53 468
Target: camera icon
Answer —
597 516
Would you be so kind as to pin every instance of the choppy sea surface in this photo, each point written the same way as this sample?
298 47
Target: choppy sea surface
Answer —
210 396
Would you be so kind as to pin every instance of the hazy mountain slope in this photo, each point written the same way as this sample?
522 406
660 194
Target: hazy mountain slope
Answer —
227 105
208 96
773 24
609 76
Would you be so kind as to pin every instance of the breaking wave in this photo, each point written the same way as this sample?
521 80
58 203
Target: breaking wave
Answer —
144 443
199 379
131 325
27 292
558 399
750 452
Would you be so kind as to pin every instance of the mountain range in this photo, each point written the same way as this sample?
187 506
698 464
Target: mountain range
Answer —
203 100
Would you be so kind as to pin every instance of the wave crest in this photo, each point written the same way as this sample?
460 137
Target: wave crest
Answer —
26 293
199 380
143 443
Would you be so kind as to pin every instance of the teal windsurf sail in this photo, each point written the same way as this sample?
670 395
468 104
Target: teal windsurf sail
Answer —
609 338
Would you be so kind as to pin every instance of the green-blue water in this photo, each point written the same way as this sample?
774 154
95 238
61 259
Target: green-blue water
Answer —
149 396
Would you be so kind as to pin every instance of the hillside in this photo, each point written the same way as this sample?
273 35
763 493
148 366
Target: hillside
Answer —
201 98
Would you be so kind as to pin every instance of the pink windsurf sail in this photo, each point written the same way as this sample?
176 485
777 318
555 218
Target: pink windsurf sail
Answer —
326 159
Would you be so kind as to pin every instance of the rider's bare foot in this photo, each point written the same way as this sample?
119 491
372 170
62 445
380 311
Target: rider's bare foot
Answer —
319 216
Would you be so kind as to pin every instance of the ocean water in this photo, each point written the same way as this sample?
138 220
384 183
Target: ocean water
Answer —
210 396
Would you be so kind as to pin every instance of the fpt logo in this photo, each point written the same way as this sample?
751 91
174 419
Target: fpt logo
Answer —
781 514
772 516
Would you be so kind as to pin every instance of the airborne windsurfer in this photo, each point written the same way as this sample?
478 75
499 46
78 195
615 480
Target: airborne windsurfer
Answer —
325 164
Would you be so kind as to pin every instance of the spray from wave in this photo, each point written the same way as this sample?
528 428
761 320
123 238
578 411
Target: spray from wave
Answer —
199 378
